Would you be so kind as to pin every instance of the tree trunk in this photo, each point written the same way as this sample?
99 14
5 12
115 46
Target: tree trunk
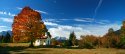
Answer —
32 40
31 43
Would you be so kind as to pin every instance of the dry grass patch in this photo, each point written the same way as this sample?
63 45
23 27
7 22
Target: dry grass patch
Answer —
23 48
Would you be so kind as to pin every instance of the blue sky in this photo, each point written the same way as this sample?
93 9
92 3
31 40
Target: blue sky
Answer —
64 16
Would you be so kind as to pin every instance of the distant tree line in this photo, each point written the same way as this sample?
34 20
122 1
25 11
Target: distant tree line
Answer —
72 41
6 39
112 39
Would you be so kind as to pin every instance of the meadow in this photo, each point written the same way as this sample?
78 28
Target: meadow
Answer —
23 48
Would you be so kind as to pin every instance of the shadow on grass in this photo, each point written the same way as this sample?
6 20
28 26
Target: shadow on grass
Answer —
64 47
7 49
20 49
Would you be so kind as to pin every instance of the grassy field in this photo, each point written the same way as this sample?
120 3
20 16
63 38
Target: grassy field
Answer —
23 48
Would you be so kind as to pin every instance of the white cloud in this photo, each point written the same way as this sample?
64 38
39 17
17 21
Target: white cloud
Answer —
50 23
10 14
103 21
19 8
51 20
6 13
92 20
6 19
64 30
100 30
80 19
4 28
65 19
91 29
84 19
42 11
97 7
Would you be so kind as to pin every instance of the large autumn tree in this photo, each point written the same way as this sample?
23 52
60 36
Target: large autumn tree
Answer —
110 39
28 26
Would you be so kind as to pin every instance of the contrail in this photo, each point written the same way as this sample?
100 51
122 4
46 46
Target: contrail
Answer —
96 9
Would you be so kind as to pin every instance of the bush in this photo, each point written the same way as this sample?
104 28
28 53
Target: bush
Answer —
66 43
88 41
87 45
121 43
54 42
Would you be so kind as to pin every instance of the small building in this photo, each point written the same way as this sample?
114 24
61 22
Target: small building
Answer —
37 42
44 40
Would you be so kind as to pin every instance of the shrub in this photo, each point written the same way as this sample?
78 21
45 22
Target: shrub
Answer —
121 43
88 41
87 45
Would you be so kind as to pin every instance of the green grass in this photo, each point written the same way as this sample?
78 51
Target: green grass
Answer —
23 48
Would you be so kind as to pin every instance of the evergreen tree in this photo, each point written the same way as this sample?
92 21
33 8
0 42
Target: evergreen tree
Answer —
7 38
48 33
72 39
2 39
110 30
122 30
122 36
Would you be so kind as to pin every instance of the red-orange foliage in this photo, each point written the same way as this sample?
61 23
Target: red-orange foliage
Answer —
26 22
88 41
113 39
108 40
